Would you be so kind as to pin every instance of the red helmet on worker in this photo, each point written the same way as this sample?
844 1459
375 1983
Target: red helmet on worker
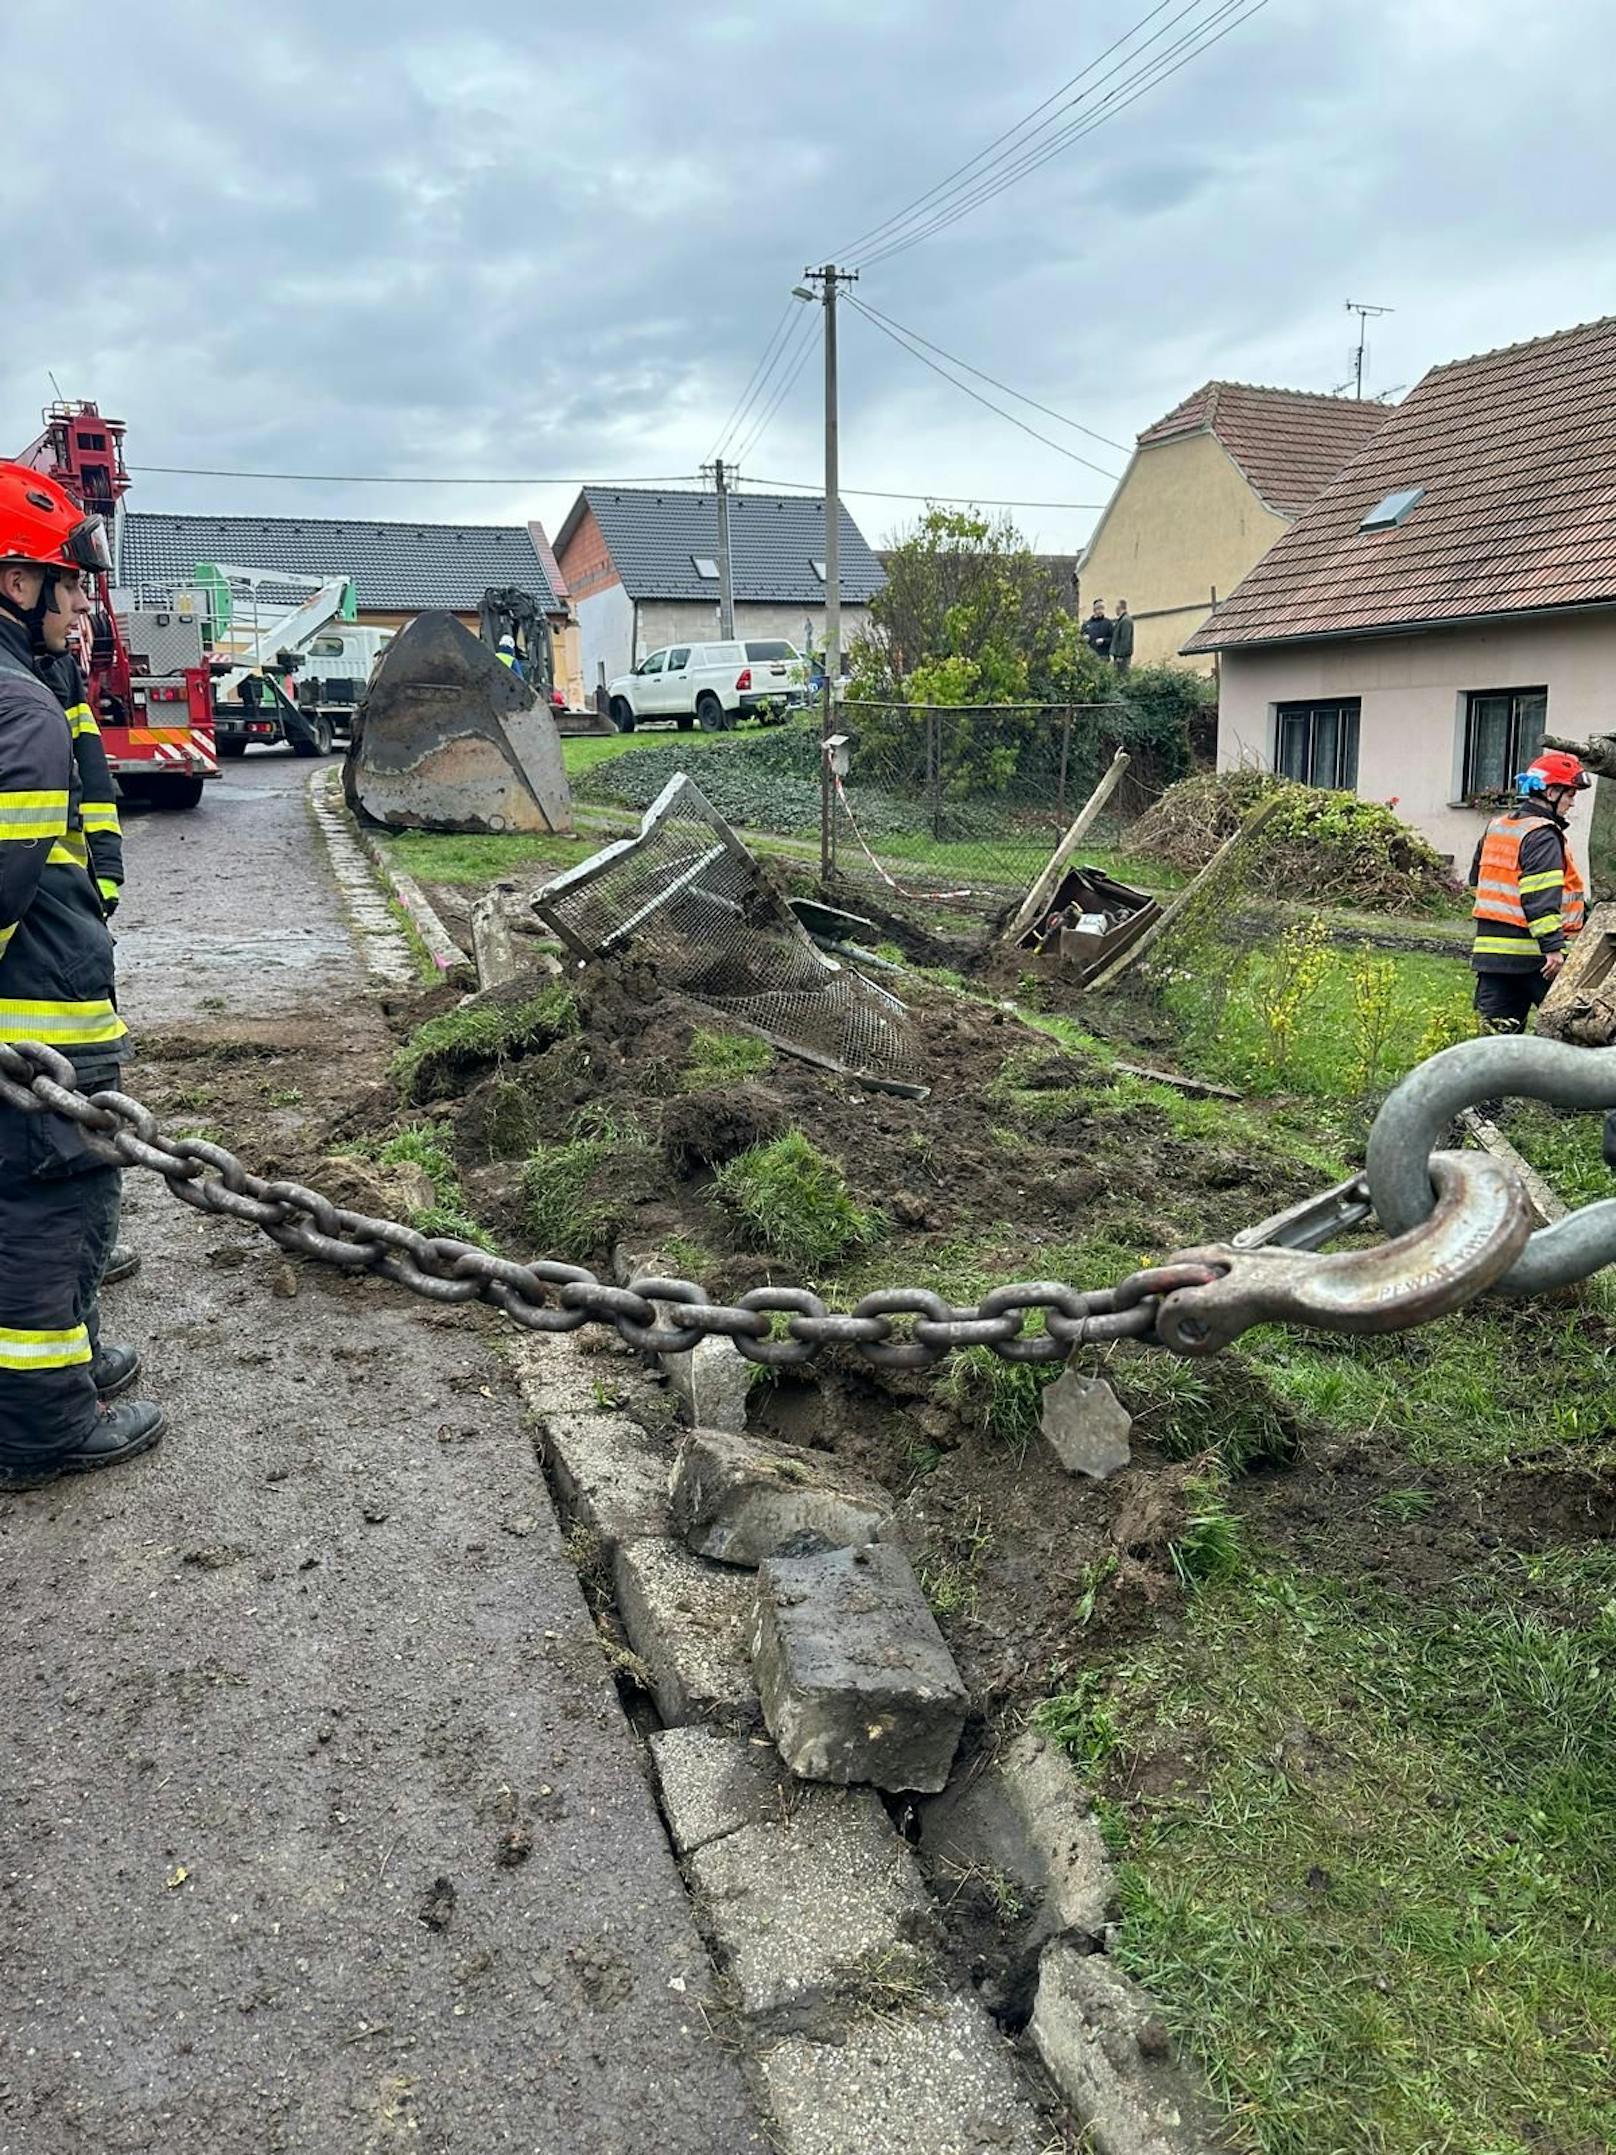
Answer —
42 526
1558 767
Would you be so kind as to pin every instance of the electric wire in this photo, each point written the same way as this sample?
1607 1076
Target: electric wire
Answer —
868 237
399 478
977 396
805 349
994 382
1139 85
887 493
760 373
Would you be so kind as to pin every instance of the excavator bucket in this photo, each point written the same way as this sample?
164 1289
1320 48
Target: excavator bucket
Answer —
448 739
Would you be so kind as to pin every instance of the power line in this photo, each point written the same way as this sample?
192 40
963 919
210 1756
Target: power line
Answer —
788 383
993 380
397 478
866 238
1150 77
976 395
887 493
755 382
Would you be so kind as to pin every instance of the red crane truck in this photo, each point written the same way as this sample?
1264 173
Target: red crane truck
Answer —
144 653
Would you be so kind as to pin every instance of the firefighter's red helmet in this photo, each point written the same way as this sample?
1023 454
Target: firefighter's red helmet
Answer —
1558 767
42 524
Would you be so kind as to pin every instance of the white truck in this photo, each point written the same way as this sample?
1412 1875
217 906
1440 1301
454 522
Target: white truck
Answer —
711 685
286 670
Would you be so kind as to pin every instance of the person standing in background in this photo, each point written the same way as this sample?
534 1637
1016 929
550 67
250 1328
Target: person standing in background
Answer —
1122 638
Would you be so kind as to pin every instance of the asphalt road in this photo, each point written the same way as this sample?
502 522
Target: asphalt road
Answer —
320 1825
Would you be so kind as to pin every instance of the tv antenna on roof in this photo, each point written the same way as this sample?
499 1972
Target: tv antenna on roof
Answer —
1363 310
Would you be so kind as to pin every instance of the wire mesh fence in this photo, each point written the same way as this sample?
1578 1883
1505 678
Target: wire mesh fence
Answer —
959 806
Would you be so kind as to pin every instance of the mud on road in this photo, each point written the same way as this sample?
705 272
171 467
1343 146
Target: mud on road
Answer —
321 1828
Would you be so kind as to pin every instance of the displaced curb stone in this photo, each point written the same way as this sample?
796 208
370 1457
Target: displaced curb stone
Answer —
711 1383
856 1682
1087 1426
712 1785
1026 1818
687 1621
741 1501
941 2082
807 1908
1110 2056
611 1476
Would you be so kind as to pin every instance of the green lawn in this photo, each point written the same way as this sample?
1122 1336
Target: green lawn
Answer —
1374 1887
582 752
436 857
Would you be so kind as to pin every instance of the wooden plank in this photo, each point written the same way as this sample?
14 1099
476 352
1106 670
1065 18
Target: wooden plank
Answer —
1038 897
1220 859
1491 1139
1200 1086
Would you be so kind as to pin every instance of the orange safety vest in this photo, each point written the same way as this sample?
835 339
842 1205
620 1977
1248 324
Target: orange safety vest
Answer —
1498 887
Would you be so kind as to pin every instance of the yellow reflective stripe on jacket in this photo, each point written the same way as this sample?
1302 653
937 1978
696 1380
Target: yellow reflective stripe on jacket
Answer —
43 1350
32 816
1506 946
1550 879
5 936
60 1025
81 719
109 890
69 851
1545 924
100 816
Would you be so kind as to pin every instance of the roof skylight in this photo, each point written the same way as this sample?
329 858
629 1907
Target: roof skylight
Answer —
706 566
1393 509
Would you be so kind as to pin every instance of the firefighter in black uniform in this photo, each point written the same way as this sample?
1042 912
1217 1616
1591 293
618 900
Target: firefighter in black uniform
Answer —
58 1200
103 833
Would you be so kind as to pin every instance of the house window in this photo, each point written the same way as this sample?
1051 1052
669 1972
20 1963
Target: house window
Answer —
1318 743
1504 730
818 568
706 567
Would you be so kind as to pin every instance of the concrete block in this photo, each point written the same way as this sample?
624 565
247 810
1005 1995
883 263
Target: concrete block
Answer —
942 2083
611 1475
1109 2054
741 1501
712 1785
687 1621
803 1909
856 1682
711 1383
1087 1426
1063 1834
554 1375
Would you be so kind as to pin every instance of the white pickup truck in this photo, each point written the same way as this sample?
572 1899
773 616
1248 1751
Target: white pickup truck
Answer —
710 685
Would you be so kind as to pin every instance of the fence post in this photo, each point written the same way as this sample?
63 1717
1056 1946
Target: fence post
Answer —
827 811
934 775
1066 749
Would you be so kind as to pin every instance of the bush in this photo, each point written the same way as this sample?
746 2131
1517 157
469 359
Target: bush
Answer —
1328 847
796 1201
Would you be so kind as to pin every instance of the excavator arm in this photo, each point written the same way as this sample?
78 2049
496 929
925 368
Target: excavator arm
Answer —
507 611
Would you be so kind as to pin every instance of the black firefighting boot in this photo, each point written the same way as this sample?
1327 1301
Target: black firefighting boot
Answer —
120 1433
123 1264
114 1370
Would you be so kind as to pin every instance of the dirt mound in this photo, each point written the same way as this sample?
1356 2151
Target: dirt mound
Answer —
1331 847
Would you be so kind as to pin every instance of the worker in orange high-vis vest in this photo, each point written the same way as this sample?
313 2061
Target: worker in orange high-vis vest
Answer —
1529 897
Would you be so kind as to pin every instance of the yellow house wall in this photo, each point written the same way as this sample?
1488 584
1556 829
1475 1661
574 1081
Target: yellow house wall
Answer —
1183 523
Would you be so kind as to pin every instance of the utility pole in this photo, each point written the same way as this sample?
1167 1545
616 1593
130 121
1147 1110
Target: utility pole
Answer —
1363 310
829 282
726 571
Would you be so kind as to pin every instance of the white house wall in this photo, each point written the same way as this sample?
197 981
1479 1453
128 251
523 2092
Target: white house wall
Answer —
605 635
674 621
1413 691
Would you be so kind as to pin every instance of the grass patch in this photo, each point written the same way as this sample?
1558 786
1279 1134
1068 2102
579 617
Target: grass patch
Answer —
1564 1149
796 1202
718 1059
439 1053
1376 1893
576 1194
440 857
426 1145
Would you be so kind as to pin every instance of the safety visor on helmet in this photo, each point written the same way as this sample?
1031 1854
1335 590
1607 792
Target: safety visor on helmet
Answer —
86 546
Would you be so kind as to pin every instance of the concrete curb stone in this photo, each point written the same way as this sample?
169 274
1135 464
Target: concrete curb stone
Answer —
687 1621
742 1501
611 1476
714 1784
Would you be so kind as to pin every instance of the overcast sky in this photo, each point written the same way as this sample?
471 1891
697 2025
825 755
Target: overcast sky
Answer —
372 236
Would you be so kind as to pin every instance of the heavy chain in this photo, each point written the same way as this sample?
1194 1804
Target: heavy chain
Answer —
1473 1232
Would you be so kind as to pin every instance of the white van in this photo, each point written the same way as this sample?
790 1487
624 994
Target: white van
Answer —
710 685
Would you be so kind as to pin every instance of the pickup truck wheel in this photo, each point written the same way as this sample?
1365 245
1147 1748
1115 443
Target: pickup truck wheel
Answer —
622 714
710 712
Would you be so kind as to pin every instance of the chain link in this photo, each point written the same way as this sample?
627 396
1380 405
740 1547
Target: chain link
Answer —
549 1296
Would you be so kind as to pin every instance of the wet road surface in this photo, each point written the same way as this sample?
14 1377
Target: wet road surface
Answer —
320 1825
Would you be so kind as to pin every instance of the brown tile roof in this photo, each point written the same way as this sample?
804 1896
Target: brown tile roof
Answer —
1290 443
1516 451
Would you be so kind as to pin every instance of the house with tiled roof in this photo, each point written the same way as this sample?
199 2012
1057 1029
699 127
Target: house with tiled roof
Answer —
641 569
399 569
1208 489
1448 597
